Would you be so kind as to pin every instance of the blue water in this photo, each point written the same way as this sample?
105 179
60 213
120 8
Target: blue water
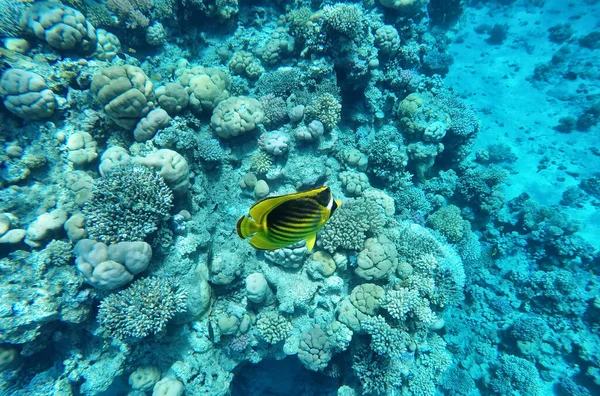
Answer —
461 139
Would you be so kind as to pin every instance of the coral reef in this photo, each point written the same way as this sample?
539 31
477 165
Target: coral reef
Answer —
461 254
142 309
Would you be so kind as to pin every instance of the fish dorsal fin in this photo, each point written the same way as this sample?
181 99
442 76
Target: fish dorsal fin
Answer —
310 242
259 210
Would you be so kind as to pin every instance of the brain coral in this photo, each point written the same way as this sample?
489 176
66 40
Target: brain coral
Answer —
108 45
62 27
236 116
314 350
377 260
125 92
26 95
206 87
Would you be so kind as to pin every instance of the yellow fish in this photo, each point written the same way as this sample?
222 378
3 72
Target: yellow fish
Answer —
277 222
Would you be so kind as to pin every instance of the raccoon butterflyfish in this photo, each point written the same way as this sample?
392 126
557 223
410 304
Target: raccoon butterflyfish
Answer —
277 222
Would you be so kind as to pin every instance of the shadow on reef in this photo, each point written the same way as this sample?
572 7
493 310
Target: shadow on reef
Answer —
292 379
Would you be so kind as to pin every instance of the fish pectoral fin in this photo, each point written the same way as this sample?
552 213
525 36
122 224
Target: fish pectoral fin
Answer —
259 241
310 242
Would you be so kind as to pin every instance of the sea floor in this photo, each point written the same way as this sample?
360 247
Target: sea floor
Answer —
515 111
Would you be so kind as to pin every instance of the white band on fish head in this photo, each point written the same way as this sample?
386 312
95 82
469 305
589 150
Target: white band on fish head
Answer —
330 204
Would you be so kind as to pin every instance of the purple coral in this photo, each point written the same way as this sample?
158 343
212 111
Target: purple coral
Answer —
239 343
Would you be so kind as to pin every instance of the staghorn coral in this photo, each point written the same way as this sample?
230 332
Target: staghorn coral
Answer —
142 309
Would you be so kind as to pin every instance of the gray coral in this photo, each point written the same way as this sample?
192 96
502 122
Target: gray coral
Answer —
127 205
142 309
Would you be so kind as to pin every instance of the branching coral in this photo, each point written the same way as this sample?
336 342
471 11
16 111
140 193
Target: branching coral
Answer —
385 340
377 374
127 205
142 309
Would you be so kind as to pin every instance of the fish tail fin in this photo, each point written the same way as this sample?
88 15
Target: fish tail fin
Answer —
247 227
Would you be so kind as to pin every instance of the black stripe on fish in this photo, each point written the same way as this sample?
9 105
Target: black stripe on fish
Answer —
294 228
290 212
324 197
279 238
289 233
281 233
290 221
296 221
297 214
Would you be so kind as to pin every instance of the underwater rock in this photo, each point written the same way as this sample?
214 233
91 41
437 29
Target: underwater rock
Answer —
44 227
